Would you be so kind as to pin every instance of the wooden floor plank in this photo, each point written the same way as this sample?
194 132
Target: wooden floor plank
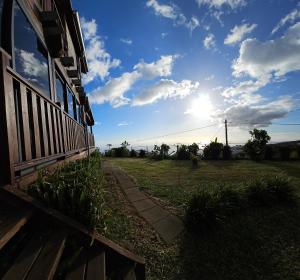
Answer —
77 270
11 221
47 262
96 264
26 259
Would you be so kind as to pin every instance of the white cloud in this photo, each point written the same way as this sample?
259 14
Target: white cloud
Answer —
238 33
220 3
275 57
164 35
244 87
115 89
123 123
31 65
289 18
99 60
160 68
247 115
209 41
126 41
173 12
165 89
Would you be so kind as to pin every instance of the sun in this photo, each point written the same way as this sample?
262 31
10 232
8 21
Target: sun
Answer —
201 107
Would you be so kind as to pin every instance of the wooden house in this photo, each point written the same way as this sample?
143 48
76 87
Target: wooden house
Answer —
45 120
45 114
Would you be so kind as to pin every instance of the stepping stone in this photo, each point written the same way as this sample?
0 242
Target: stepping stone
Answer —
154 214
143 205
136 196
169 228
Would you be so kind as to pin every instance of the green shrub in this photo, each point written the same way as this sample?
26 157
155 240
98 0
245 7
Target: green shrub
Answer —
74 189
142 153
133 153
207 209
183 152
195 161
213 150
270 191
227 153
201 213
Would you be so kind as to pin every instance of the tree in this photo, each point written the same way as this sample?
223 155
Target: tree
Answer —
213 150
193 149
125 144
164 150
183 152
256 146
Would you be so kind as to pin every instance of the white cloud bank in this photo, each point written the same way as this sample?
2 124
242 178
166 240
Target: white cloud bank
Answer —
126 41
99 60
275 57
246 115
173 12
114 90
238 33
165 89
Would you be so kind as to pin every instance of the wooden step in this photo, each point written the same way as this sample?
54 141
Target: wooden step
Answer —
78 267
11 221
96 264
47 261
26 259
89 265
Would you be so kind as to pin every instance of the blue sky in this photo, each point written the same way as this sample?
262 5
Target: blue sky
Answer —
159 67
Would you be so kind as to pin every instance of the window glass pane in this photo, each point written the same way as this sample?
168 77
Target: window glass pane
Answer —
78 113
70 103
31 58
60 90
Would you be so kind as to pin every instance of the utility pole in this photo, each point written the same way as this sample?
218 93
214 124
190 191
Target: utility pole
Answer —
226 133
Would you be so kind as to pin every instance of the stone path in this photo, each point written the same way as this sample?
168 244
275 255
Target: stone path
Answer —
166 224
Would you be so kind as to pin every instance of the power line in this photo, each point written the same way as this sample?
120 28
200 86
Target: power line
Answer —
175 133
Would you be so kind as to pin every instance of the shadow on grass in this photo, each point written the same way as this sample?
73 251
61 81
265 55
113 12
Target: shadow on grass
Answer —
260 244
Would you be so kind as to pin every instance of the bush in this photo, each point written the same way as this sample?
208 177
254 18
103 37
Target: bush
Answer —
227 154
269 153
284 152
183 152
194 161
213 150
270 190
120 152
74 189
208 209
142 153
201 213
133 153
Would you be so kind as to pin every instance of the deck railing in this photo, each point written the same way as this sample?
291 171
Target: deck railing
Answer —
33 128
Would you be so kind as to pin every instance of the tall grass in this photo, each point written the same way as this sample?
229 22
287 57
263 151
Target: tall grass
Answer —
76 189
213 206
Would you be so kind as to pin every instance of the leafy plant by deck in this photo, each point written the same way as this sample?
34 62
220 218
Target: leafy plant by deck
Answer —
76 189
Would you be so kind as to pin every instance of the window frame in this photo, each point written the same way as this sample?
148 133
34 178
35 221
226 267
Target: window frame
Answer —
41 40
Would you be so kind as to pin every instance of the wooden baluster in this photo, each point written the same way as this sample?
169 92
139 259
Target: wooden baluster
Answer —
8 129
51 144
55 130
37 141
25 123
44 127
64 131
58 117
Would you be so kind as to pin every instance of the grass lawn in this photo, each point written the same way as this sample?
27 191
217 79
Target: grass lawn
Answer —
258 243
175 181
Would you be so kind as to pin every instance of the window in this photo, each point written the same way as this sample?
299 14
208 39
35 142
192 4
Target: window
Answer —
30 56
60 91
71 111
78 115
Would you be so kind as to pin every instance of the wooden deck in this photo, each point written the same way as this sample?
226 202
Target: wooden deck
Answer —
40 243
